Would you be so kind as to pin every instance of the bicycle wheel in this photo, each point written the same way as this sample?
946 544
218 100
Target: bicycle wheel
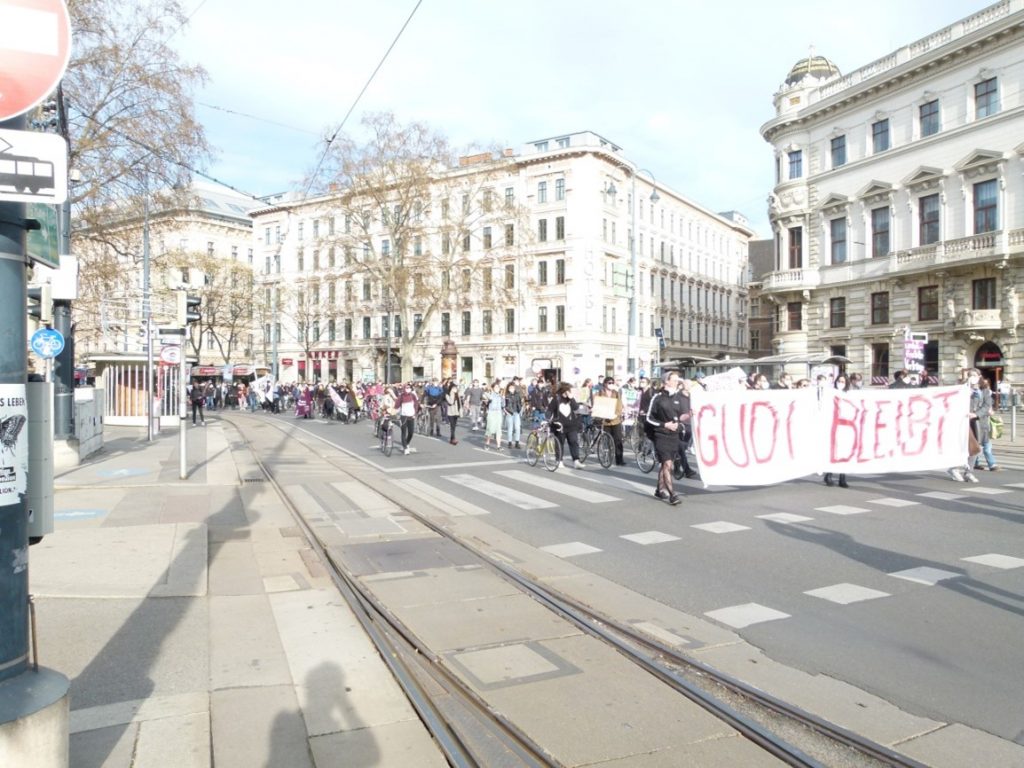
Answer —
645 459
605 449
552 452
636 437
387 440
532 449
586 442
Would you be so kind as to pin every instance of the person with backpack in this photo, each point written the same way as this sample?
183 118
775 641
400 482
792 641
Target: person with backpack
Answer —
197 394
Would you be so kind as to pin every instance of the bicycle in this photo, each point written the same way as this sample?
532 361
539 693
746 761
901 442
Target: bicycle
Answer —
386 430
597 440
634 437
645 458
422 422
542 444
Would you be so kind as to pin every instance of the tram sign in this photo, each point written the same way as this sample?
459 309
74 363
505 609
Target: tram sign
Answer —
35 45
33 166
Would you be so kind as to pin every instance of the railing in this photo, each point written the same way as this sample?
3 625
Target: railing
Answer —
922 256
792 278
1016 237
972 243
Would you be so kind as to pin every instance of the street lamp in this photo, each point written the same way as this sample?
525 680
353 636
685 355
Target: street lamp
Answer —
634 318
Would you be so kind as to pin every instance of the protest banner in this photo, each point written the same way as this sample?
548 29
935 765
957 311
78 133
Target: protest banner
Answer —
732 379
604 407
758 438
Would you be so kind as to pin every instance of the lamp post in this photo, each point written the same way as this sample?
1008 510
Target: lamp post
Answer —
634 268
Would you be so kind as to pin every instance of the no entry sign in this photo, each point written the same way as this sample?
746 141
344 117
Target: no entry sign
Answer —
35 44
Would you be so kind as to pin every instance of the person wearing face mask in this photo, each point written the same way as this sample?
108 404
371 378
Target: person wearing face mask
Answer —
964 474
408 406
614 425
668 414
563 412
513 413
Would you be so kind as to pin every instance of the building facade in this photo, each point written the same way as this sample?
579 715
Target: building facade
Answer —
535 272
898 209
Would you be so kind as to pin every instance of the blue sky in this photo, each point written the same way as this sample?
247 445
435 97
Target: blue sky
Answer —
682 86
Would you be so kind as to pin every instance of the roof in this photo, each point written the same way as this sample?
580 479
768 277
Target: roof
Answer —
817 67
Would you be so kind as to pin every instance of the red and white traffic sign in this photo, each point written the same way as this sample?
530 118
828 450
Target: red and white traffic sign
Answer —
35 45
170 355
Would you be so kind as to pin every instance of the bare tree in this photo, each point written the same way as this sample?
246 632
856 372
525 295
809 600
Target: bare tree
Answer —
411 222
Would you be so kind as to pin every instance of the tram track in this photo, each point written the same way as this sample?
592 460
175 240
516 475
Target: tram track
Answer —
470 732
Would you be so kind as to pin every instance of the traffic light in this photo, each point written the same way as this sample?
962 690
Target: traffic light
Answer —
42 310
188 309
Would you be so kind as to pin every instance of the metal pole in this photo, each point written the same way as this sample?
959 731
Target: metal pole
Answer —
631 341
182 412
13 379
147 314
64 384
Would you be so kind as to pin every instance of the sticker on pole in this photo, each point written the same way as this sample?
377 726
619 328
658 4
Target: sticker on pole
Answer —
13 443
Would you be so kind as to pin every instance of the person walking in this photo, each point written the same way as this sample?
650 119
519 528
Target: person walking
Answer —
614 425
982 404
197 394
433 394
494 402
408 406
453 406
474 400
841 384
963 473
513 414
667 416
563 412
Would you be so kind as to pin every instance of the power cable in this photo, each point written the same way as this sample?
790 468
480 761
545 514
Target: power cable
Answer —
259 119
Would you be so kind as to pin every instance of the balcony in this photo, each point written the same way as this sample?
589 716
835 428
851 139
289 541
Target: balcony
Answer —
978 320
791 280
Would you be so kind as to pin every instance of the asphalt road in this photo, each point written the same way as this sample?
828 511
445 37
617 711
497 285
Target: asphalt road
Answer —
910 586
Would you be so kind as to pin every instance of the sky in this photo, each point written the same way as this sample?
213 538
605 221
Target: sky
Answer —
683 86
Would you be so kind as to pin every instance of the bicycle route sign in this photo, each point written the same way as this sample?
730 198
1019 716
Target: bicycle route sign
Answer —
47 343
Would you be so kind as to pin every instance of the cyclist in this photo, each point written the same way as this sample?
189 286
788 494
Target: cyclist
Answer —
408 406
565 421
614 425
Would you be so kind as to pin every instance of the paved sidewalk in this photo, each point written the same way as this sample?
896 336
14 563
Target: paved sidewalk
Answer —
196 626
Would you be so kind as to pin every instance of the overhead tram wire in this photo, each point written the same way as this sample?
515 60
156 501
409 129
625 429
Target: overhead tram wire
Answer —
351 109
258 119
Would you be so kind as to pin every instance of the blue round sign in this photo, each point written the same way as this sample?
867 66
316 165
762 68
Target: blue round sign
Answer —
47 342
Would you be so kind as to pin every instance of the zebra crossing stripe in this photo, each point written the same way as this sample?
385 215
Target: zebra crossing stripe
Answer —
557 486
499 492
452 505
366 500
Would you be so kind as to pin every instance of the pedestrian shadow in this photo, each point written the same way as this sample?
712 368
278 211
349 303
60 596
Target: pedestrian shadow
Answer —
888 561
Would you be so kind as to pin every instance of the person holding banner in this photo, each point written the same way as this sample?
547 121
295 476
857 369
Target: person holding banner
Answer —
964 474
667 416
842 385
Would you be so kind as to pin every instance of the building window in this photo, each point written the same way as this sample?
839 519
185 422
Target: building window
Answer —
986 209
560 317
300 260
880 232
880 136
510 197
928 215
560 228
559 189
366 327
794 313
510 321
983 293
446 324
331 330
837 312
417 322
510 234
467 323
755 339
796 247
542 230
541 146
796 164
542 273
928 302
417 247
559 271
542 319
348 329
542 191
510 276
367 287
488 280
487 237
879 363
250 257
928 115
838 151
880 308
487 329
986 98
837 229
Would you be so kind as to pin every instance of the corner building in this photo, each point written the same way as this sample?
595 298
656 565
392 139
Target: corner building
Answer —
547 230
898 209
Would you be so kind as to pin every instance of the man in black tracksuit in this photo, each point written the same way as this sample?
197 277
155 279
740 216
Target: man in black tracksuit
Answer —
668 415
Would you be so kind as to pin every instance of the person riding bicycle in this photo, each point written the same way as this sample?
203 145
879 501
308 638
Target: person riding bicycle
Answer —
614 425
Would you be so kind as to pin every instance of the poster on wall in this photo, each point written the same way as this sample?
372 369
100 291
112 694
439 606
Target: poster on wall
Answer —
13 443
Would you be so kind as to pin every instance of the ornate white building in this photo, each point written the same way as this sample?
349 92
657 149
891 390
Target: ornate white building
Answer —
555 220
898 210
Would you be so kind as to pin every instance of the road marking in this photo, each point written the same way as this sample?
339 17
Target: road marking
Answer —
649 537
1004 562
844 594
942 495
926 575
366 500
720 527
646 489
557 486
739 616
500 492
785 517
889 501
986 490
842 509
460 465
448 503
570 549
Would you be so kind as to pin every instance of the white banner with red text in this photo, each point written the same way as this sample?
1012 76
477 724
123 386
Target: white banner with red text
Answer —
763 437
